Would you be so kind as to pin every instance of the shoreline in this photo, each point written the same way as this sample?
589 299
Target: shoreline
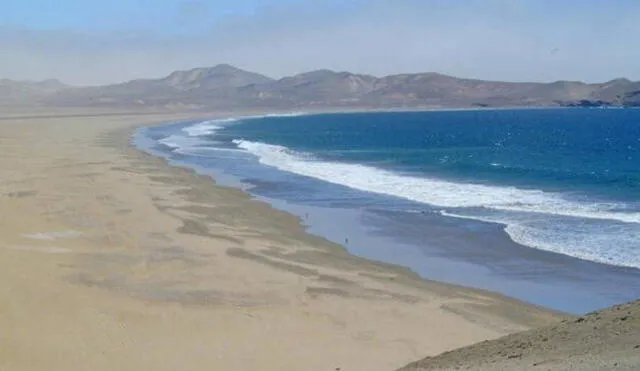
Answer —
111 253
298 221
569 296
304 229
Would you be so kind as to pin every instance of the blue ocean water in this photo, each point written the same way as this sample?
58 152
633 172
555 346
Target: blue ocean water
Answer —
476 187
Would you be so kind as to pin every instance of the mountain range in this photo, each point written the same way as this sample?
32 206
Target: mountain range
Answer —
227 87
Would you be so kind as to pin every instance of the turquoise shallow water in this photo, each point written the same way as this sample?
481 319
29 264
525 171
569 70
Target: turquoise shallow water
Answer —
495 189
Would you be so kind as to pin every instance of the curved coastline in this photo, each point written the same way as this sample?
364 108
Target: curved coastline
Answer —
566 297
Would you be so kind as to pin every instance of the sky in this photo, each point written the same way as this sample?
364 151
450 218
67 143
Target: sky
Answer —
88 42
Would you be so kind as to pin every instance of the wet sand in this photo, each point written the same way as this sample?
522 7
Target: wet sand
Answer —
114 260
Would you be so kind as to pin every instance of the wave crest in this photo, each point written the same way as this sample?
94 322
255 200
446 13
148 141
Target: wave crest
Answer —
431 191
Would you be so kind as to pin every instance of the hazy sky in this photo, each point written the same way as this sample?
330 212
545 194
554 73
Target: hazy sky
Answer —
95 42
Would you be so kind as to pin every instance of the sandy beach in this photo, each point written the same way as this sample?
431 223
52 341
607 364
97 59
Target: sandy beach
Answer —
113 260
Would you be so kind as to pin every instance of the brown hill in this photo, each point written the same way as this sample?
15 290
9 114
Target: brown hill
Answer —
605 340
312 88
220 76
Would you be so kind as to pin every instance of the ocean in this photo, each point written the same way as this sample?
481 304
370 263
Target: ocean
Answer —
542 205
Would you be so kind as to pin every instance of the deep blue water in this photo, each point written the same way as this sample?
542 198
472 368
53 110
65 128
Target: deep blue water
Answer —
565 150
476 187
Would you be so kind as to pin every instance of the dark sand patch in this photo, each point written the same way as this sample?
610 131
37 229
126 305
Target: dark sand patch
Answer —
22 194
288 267
199 228
317 291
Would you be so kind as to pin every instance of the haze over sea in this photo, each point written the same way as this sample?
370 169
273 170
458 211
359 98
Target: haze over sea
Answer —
542 205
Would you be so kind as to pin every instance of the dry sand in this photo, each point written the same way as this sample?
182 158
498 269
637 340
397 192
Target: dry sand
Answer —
112 260
604 340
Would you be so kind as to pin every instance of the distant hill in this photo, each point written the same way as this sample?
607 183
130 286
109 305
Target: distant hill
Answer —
603 340
220 76
225 86
315 88
198 87
18 91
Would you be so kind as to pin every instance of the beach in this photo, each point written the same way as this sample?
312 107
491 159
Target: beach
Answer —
113 259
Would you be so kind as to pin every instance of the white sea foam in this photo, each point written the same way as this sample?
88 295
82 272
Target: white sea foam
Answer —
211 126
202 128
434 191
181 143
613 244
534 218
190 137
199 136
583 243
